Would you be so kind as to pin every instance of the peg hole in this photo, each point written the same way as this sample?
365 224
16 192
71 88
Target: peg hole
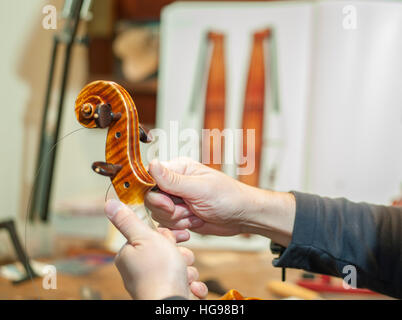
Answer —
126 185
118 135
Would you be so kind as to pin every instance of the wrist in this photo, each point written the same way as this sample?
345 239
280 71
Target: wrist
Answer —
270 214
161 291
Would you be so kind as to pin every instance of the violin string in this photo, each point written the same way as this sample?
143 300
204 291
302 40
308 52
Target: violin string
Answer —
30 275
107 191
149 218
148 212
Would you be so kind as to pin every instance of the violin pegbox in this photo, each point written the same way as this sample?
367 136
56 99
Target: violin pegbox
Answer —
105 104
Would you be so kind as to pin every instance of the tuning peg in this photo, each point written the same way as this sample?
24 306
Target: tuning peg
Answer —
145 135
104 116
106 169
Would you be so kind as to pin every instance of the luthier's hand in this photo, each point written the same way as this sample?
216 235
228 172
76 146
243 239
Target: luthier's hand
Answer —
150 263
209 202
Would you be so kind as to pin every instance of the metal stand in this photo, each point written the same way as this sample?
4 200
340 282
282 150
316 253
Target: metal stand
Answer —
22 256
43 182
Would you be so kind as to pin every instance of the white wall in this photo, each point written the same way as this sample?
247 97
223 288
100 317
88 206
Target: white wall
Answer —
341 119
183 29
356 116
16 20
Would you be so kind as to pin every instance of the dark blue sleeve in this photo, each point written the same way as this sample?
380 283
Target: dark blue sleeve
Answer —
329 234
175 298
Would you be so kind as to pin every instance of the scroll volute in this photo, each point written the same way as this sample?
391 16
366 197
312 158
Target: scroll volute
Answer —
102 104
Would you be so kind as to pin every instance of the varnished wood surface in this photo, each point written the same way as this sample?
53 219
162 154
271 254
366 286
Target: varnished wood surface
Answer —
122 143
253 112
214 113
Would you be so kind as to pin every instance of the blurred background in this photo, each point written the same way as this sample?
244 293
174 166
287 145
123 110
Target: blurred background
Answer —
332 119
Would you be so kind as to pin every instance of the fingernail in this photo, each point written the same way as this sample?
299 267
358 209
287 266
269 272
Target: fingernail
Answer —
196 222
181 237
112 207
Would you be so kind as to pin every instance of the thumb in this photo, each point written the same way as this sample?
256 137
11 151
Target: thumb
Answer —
126 221
169 181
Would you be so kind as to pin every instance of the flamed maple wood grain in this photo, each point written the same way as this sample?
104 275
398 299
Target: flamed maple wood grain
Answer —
132 181
253 112
214 114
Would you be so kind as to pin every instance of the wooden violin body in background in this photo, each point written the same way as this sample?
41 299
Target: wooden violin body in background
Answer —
105 104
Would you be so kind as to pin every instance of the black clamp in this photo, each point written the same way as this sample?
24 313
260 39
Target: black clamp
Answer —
278 249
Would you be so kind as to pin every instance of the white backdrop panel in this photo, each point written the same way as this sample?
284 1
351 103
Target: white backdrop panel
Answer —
356 121
183 26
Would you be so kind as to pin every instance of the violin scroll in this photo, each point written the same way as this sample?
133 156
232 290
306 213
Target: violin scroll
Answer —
105 104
